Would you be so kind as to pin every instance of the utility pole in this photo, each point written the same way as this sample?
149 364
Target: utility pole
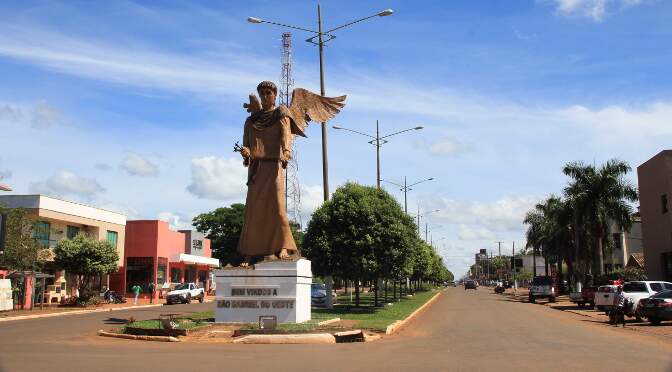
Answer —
513 264
499 243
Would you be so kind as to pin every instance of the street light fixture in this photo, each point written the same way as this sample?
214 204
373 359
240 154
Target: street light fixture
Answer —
322 38
406 188
422 214
377 141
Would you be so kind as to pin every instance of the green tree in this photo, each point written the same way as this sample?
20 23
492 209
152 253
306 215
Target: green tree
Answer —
361 233
222 226
524 275
600 197
22 251
86 257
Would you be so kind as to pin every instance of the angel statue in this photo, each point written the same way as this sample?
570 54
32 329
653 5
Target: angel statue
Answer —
266 149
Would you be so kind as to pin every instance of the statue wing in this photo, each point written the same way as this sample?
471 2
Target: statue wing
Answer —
307 106
254 105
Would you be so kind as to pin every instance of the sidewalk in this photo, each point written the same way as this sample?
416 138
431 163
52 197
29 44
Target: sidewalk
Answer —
52 311
594 316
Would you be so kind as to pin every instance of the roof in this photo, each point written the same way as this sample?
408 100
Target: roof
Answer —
636 259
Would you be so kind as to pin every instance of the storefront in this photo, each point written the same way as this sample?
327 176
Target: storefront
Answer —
155 254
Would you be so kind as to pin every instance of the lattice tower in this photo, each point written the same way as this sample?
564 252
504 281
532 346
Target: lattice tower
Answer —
292 186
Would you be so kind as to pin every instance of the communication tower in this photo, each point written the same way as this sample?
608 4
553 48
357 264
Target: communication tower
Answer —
292 186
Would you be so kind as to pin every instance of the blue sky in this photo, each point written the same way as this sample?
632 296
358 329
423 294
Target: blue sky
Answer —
135 106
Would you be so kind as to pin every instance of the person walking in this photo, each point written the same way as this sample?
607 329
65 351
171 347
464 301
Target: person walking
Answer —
151 292
136 291
620 307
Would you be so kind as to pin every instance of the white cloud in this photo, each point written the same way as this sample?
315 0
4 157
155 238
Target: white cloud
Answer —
177 221
594 9
448 146
41 115
501 215
132 66
138 166
65 183
218 178
312 197
466 232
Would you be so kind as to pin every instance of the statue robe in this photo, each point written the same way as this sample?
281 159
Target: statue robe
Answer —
266 227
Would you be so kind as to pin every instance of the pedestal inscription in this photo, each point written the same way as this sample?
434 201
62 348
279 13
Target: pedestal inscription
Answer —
278 288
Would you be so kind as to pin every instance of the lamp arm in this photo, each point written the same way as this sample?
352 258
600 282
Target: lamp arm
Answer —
351 23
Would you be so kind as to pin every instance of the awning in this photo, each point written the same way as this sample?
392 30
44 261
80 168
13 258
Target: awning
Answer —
192 259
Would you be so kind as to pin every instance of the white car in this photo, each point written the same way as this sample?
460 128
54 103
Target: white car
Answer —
605 297
635 291
184 293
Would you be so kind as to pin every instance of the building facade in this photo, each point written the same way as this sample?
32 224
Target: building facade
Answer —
655 193
57 219
626 243
156 254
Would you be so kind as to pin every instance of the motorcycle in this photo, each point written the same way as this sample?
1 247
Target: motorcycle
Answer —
113 297
499 289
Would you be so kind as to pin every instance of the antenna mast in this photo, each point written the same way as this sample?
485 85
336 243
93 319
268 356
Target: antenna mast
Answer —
292 186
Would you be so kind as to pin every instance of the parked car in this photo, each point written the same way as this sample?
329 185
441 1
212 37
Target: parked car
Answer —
542 287
657 307
605 297
318 294
470 284
637 290
451 284
585 297
184 293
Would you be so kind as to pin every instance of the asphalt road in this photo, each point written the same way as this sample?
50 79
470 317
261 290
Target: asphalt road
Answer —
463 330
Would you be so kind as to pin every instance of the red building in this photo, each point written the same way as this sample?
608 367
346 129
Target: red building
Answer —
155 254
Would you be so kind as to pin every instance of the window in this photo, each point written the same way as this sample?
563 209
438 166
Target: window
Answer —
112 238
656 287
634 287
617 241
42 232
175 274
663 203
72 232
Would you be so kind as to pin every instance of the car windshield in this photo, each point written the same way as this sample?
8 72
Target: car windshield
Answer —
181 286
634 287
542 280
663 294
318 286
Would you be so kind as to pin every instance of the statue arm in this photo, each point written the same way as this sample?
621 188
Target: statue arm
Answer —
245 152
286 145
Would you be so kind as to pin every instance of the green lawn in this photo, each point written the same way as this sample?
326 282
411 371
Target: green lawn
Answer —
366 316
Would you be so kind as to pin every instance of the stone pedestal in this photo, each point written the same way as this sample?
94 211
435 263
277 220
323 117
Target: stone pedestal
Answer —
278 288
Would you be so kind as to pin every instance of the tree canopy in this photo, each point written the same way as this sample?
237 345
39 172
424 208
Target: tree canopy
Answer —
222 226
22 251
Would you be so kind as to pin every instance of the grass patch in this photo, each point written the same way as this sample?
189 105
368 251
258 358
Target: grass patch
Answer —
370 317
190 321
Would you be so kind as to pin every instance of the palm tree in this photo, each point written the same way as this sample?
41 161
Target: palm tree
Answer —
549 231
598 197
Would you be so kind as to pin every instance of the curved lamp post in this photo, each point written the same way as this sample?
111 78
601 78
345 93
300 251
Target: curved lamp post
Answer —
406 188
320 38
377 141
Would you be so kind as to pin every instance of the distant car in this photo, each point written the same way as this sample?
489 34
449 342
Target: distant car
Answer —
318 294
451 284
657 307
184 293
542 287
470 284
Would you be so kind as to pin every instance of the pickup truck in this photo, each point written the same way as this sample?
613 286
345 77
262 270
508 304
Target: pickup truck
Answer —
638 290
586 296
605 297
184 293
542 287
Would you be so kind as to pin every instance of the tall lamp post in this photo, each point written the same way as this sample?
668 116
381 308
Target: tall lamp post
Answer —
422 214
377 141
406 188
320 38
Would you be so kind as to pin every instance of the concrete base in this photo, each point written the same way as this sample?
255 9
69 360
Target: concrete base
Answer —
277 288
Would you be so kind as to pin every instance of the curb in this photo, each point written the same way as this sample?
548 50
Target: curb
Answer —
75 312
309 338
134 337
394 327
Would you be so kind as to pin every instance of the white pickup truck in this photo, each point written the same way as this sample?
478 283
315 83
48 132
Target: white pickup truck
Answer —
184 293
542 287
605 298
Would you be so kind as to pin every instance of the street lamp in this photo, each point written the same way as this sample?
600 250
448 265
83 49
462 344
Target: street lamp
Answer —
320 36
377 141
422 214
406 188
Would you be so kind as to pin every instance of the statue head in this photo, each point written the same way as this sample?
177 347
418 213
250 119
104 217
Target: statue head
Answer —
267 93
